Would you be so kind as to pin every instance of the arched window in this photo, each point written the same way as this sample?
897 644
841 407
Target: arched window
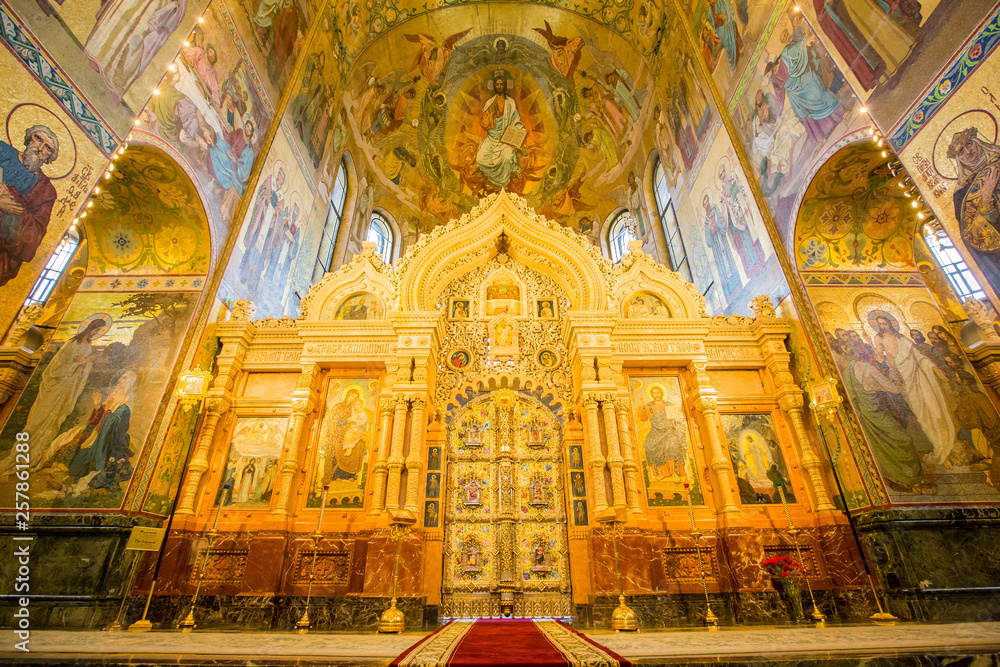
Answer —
618 236
53 269
951 262
668 218
324 258
381 233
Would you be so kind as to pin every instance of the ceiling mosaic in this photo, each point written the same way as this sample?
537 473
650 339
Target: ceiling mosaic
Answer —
362 22
147 218
552 107
855 217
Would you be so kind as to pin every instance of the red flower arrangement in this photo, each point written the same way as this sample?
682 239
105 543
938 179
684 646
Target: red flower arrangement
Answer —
785 573
782 566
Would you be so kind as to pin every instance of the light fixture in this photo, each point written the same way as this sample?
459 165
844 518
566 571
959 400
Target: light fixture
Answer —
136 122
864 109
914 203
90 203
156 91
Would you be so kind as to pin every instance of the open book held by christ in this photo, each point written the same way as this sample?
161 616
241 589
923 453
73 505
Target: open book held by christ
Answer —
514 136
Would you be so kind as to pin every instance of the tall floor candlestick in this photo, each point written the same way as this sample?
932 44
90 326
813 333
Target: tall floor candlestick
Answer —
711 621
392 619
623 618
188 624
816 614
303 624
117 625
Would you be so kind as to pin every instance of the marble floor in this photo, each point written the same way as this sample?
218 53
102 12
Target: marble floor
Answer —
785 645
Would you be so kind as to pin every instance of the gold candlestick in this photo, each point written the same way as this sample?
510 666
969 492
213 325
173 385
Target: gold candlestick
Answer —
711 621
117 625
817 616
392 619
188 622
303 624
623 618
825 405
142 625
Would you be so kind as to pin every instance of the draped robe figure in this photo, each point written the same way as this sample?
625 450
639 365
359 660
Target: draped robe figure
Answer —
497 160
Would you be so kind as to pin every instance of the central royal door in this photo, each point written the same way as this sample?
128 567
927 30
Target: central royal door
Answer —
505 550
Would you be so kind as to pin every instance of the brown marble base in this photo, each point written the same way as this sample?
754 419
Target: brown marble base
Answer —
732 609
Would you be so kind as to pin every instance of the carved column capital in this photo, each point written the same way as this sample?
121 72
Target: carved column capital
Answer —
706 404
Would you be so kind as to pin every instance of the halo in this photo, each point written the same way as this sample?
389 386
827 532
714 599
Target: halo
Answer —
865 303
103 330
729 167
656 385
982 120
278 166
27 114
876 313
497 41
711 195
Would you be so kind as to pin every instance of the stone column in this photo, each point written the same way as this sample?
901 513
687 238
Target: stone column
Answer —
706 402
791 402
215 406
596 457
625 439
778 360
381 465
301 407
396 455
417 430
615 461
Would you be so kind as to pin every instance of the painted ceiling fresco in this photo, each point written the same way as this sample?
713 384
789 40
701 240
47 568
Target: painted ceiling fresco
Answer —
855 217
552 108
360 23
147 218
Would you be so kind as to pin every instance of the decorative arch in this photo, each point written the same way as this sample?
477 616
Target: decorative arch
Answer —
150 255
365 274
857 254
453 249
642 275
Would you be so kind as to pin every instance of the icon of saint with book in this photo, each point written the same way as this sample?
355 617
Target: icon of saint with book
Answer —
505 134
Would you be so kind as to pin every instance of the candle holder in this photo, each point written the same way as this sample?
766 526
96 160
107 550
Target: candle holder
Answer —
188 624
711 621
623 618
143 625
303 624
818 617
117 625
825 403
392 620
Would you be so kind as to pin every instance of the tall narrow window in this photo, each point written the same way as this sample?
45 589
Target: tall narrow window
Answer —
951 262
381 233
619 236
53 270
327 244
671 230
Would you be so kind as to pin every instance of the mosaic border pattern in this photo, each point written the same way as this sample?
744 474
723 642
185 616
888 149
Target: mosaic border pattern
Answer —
974 54
25 48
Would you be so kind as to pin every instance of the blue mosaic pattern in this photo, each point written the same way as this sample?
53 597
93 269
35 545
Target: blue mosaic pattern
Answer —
25 48
977 51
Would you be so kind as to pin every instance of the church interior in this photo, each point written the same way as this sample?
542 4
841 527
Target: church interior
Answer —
603 331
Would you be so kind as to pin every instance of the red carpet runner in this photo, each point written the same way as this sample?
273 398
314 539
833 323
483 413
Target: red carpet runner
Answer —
498 642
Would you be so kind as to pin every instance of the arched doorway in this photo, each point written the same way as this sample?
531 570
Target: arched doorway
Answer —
505 549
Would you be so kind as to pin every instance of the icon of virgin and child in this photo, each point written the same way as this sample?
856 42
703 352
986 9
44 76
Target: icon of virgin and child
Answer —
347 437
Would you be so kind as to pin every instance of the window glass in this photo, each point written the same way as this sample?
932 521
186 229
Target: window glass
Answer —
328 243
668 219
619 237
951 263
381 234
53 270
